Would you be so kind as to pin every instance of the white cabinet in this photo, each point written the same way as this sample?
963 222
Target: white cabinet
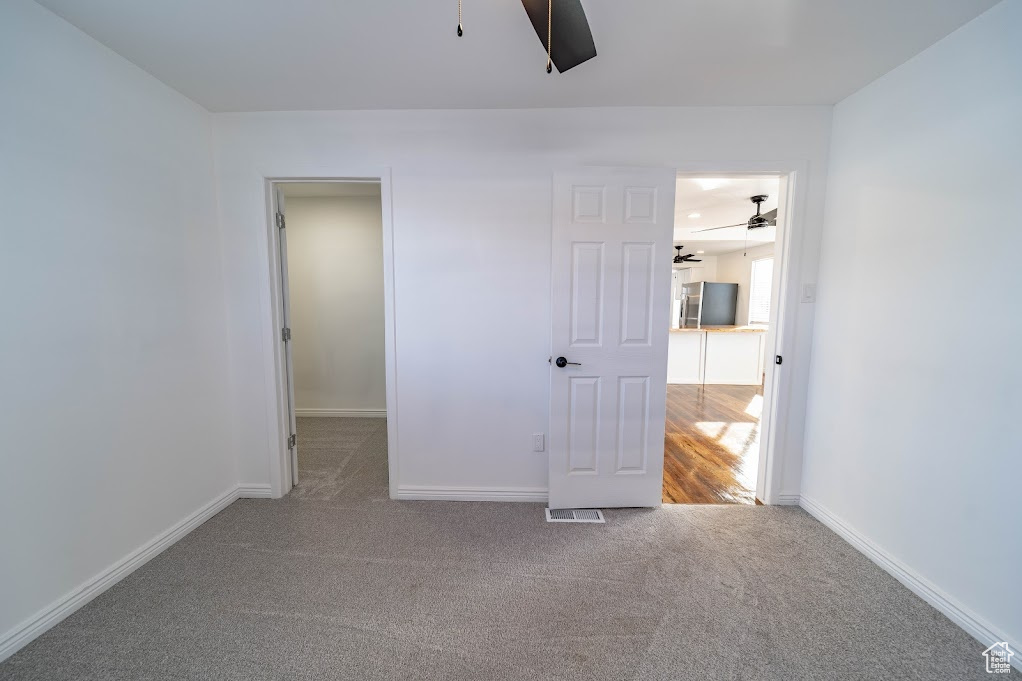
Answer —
685 357
696 356
733 358
678 277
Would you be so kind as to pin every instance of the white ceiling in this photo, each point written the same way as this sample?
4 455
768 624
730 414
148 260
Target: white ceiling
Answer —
269 55
721 201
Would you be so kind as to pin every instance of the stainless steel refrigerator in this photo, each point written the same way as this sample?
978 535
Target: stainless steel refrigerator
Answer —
706 303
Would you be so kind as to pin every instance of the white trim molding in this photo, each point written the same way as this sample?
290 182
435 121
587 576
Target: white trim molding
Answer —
254 491
343 413
24 633
428 493
972 623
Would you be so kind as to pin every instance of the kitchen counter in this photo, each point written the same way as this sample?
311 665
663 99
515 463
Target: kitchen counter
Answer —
724 329
729 355
735 329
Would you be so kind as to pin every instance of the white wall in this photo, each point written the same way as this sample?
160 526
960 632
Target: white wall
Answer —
335 266
705 270
736 268
114 351
912 435
471 211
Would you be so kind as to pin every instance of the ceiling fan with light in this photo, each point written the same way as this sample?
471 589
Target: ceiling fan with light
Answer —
767 219
563 29
679 258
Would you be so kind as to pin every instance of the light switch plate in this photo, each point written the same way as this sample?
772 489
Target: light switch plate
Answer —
808 293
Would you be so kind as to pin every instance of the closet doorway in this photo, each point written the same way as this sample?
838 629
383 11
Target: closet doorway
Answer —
331 249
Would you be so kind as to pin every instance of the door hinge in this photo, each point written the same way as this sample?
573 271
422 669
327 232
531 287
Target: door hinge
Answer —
292 441
280 221
778 359
285 334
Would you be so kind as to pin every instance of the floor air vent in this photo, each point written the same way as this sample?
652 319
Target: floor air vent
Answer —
574 515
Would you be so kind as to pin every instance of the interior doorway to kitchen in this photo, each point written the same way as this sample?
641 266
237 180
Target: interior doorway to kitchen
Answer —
330 248
722 335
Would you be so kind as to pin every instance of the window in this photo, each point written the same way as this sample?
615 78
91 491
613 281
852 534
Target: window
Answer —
759 290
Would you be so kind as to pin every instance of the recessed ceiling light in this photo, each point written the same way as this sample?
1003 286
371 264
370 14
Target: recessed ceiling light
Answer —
700 252
694 215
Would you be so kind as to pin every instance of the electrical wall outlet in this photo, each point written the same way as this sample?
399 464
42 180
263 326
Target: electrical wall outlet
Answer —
808 293
538 442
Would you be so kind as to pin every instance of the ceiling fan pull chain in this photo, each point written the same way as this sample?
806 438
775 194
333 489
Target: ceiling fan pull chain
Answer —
460 32
549 33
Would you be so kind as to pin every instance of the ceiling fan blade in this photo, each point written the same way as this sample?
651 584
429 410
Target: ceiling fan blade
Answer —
770 215
572 41
710 229
694 260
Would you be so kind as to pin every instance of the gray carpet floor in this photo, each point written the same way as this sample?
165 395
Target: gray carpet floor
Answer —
336 581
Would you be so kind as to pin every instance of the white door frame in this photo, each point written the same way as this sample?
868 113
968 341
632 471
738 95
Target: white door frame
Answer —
783 315
279 427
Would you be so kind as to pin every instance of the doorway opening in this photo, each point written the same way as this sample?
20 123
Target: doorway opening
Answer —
331 246
723 330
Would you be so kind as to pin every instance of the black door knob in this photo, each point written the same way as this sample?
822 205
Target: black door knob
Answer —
562 362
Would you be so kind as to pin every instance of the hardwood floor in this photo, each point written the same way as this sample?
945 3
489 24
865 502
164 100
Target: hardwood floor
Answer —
711 448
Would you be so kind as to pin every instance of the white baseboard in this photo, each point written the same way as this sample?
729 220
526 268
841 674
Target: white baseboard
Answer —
344 413
34 626
254 491
426 493
788 499
973 624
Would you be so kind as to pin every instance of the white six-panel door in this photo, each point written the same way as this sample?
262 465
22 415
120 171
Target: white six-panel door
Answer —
611 284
